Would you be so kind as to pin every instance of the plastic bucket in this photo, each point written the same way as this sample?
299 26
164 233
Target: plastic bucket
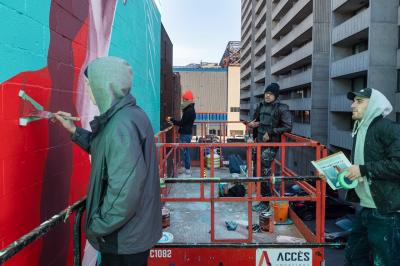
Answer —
281 210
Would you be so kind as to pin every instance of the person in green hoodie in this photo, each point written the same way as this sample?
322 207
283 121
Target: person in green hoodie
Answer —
123 207
375 235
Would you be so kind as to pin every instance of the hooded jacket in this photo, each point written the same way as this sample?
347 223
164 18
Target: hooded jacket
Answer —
376 149
123 209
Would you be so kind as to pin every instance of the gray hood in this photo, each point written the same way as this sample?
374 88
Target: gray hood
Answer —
110 79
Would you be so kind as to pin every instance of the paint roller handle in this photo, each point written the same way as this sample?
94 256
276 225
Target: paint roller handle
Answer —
72 118
66 120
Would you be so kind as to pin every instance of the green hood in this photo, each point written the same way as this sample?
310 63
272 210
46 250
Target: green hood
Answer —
110 79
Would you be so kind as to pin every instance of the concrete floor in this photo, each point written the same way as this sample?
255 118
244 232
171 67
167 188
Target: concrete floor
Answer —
190 222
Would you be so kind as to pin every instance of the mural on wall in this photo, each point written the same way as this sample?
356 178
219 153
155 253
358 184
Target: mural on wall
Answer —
41 171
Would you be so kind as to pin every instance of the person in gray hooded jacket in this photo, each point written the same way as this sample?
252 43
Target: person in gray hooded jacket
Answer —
123 207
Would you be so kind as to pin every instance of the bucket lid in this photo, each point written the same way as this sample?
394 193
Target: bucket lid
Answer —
265 214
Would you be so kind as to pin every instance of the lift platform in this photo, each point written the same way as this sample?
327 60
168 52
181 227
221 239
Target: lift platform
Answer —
198 233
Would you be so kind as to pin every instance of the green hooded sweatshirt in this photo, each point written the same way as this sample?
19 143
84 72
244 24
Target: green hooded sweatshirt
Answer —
378 105
123 208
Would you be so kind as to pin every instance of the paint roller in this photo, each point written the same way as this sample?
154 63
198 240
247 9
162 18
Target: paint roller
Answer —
30 110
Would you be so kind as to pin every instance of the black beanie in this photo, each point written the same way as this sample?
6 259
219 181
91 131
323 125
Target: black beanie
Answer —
273 88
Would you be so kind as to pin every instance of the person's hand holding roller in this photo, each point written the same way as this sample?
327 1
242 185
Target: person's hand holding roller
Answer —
66 120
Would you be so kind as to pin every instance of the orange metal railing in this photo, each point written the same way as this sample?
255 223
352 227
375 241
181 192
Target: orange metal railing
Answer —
168 152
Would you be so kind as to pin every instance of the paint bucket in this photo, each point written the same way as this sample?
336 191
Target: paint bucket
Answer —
264 220
281 209
165 217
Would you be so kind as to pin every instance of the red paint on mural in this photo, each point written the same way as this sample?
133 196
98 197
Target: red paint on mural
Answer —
23 156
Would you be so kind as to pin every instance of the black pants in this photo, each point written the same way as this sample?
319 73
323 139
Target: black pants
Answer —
374 239
139 259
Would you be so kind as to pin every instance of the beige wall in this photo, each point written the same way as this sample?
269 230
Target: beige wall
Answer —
209 88
234 100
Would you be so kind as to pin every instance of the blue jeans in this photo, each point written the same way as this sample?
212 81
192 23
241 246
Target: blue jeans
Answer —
185 152
374 239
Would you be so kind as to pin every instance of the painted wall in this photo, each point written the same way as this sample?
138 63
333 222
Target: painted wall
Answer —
43 49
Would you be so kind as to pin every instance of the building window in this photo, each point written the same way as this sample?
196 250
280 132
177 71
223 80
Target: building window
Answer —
301 117
398 80
360 47
398 117
235 109
359 83
398 41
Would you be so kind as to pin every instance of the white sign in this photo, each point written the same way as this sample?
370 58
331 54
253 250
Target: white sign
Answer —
284 257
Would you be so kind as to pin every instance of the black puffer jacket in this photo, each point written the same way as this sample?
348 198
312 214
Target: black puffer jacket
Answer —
281 121
382 164
186 123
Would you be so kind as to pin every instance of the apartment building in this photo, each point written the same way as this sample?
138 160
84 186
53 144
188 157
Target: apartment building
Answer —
364 53
288 42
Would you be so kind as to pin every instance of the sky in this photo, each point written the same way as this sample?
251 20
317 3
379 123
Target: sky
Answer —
200 29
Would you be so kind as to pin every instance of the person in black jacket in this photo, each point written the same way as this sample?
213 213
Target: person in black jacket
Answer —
375 234
271 119
186 126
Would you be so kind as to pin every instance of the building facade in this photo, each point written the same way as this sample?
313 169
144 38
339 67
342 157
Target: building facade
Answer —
364 53
318 50
287 42
210 89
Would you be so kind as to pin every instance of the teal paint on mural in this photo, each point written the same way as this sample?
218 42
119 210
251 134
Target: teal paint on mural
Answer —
24 38
136 37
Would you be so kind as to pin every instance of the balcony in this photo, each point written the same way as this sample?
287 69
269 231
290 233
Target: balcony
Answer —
299 11
245 83
340 103
259 90
347 6
296 59
302 129
247 27
341 138
260 62
260 76
245 106
260 4
299 34
351 28
246 39
245 62
245 11
245 94
245 73
246 50
295 80
351 65
260 47
281 8
261 32
261 17
302 104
